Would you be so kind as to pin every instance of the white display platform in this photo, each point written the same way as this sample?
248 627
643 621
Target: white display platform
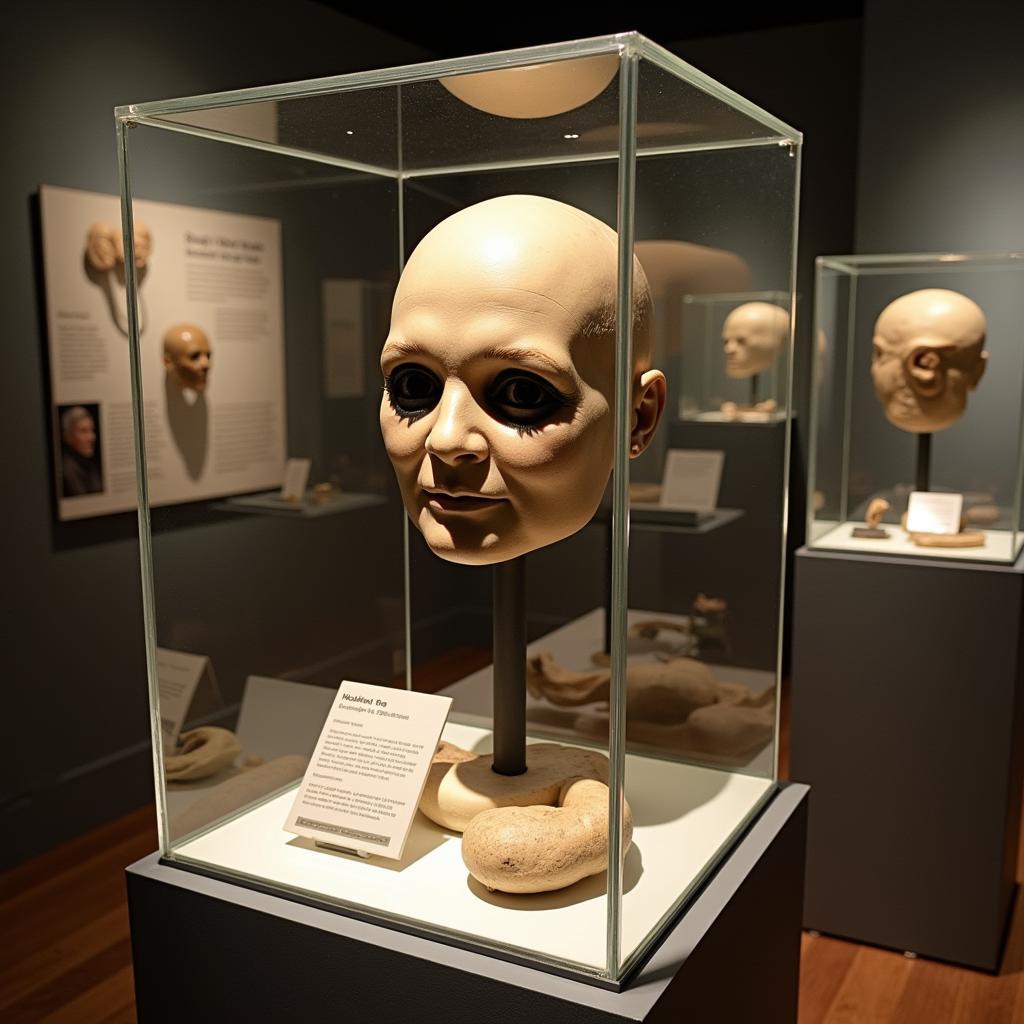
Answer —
998 546
573 646
683 815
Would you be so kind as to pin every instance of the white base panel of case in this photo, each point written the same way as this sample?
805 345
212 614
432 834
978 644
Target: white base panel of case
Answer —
998 546
683 816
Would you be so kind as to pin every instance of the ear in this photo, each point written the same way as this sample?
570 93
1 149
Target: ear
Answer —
924 372
648 405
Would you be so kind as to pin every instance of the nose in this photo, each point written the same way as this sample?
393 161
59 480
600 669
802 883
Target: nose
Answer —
455 436
731 346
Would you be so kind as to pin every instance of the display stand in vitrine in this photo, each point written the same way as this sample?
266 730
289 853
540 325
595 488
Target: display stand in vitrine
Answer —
906 720
733 954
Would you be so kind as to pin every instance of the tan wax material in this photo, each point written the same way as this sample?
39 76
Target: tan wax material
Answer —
928 354
536 832
187 357
499 368
538 90
753 335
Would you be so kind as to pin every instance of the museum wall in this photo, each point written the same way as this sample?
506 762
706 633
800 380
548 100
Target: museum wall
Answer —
941 145
76 751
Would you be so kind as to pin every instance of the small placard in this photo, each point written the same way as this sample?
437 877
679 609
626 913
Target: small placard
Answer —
691 479
928 512
364 781
187 684
296 473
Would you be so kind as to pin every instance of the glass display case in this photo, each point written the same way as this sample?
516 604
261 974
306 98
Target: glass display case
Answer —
918 393
734 358
456 536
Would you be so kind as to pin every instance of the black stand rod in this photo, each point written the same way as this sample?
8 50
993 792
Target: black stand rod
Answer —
510 667
753 390
924 462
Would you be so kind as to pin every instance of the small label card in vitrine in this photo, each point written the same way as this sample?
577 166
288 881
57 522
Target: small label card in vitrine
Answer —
931 512
364 781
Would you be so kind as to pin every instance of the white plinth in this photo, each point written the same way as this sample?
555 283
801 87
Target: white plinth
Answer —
999 545
684 816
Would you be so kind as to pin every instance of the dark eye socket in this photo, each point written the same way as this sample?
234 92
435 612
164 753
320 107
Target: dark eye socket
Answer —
524 398
412 389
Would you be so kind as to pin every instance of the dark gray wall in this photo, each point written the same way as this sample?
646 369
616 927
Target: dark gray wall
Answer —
75 752
941 161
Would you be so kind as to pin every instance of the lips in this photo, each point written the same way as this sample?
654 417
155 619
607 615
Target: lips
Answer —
460 501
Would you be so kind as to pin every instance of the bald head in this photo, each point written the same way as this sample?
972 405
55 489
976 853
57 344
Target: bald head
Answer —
753 335
928 353
534 257
187 356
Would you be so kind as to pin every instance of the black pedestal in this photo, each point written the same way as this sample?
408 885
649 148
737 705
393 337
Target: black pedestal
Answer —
905 718
212 950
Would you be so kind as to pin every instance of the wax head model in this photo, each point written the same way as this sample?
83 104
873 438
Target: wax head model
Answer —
499 370
928 353
187 356
104 246
752 337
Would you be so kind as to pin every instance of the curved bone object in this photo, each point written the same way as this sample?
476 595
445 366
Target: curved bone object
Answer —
536 832
677 704
655 690
964 539
200 753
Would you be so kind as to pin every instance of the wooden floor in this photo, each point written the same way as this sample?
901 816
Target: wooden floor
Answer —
64 931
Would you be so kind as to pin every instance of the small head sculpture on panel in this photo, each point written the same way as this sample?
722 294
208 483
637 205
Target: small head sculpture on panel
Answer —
929 352
187 357
499 372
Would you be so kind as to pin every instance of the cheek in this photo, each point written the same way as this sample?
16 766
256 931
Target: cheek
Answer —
566 455
403 440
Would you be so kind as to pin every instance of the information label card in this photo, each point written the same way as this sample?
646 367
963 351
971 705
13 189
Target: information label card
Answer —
364 781
931 512
691 479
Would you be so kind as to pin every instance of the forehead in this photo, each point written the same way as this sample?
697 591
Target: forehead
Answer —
458 321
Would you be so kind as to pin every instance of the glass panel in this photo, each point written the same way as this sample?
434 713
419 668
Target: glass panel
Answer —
879 449
707 527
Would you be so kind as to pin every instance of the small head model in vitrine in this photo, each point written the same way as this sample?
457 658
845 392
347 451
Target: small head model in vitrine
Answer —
104 263
928 354
187 357
499 372
753 335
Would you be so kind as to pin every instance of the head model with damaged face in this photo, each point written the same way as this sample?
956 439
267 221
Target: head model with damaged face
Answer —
498 407
187 356
928 353
753 335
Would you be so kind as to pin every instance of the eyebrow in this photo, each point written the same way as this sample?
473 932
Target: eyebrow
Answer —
508 353
515 354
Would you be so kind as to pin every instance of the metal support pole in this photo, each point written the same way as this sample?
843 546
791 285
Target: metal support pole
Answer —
510 667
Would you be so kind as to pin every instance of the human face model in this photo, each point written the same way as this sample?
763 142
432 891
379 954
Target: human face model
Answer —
752 337
928 354
499 370
80 436
187 356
